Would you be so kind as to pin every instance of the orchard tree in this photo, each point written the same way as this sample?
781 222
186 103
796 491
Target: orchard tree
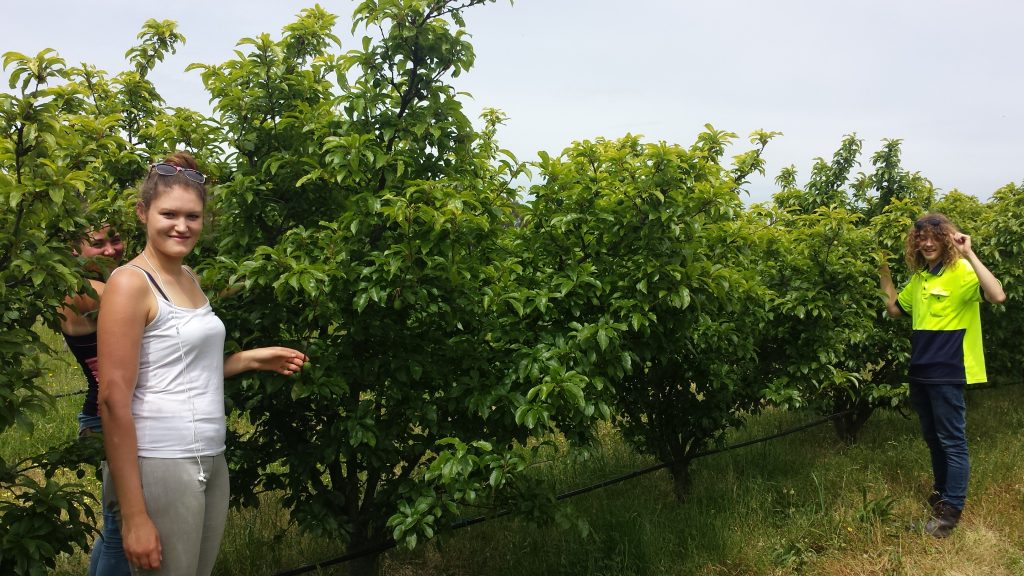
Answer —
128 106
639 287
65 159
42 179
829 345
360 218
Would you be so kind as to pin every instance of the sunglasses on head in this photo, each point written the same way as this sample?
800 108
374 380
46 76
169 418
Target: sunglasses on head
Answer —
934 222
165 169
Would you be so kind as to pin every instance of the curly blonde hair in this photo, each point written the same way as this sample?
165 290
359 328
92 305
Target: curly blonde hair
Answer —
931 225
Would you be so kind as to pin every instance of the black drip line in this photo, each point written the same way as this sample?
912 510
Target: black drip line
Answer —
984 386
68 394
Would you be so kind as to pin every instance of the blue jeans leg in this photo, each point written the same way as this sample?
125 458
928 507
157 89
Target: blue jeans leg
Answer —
943 416
111 561
107 556
95 555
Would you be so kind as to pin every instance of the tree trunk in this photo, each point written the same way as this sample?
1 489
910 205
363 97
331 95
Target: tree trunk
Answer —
849 425
682 482
364 538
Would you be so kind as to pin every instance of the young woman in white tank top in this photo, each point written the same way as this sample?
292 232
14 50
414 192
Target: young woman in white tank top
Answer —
161 372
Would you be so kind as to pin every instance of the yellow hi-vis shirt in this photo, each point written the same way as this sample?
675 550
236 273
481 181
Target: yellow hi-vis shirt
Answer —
946 341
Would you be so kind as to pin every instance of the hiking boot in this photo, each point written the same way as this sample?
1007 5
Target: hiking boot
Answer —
944 519
933 499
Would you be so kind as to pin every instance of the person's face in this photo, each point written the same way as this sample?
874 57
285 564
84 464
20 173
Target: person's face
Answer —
173 221
930 246
103 242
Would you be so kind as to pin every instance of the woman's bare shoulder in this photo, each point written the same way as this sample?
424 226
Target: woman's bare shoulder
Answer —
128 279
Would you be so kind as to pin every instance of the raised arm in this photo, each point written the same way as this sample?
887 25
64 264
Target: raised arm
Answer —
128 305
990 286
890 291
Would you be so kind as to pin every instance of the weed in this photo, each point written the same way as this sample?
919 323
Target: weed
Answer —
793 555
875 510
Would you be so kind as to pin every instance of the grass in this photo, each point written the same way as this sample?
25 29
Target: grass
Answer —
804 504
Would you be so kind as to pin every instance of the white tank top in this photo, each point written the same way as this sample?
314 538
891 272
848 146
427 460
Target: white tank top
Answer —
178 403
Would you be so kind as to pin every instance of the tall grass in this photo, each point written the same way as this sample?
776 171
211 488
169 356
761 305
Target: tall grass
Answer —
801 504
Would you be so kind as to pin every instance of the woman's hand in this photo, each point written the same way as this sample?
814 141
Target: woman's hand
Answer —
277 359
286 361
141 543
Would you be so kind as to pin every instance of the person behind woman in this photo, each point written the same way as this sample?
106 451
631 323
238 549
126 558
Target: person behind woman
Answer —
78 326
942 299
162 370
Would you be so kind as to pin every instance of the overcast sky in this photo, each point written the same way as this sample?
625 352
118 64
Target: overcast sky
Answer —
945 76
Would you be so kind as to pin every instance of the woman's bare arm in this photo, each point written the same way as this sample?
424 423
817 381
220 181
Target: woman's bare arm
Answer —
128 305
272 358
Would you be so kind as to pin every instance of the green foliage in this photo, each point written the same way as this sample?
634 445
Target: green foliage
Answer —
42 182
157 39
825 187
359 220
968 212
889 183
637 267
36 529
832 184
828 344
793 555
66 154
997 242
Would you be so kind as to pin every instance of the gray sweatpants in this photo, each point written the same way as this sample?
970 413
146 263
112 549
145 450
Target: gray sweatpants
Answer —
188 514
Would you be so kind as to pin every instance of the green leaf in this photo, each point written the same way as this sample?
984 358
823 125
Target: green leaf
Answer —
362 299
575 393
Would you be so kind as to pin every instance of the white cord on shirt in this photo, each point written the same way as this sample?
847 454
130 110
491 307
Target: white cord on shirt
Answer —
197 444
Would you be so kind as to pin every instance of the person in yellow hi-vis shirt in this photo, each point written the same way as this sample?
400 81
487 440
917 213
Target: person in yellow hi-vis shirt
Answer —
943 300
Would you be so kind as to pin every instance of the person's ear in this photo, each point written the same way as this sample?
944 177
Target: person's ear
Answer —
140 211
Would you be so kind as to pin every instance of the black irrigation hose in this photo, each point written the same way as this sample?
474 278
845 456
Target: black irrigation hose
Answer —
985 386
67 394
572 493
336 561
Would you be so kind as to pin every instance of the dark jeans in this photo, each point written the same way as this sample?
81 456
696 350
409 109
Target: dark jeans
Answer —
107 558
943 415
